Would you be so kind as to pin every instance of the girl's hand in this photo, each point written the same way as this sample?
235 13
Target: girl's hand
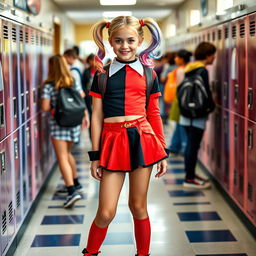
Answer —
96 172
161 168
86 123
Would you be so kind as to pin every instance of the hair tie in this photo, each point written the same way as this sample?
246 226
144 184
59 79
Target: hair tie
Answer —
107 24
142 23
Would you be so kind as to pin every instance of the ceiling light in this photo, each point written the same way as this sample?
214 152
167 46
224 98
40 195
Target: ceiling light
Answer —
115 14
118 2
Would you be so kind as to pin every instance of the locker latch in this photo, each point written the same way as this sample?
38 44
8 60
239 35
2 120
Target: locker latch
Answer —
236 93
3 162
250 139
250 98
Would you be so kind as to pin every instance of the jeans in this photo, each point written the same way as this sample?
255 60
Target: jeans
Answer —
178 140
194 138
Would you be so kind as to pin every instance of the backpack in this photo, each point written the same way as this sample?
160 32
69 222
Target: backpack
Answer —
69 109
102 81
194 100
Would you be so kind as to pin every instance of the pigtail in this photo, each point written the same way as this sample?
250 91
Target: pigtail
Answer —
98 38
150 53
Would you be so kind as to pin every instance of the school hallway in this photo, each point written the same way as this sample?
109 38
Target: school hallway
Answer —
184 222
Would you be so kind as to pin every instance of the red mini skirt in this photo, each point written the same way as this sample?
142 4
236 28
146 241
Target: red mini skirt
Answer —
125 146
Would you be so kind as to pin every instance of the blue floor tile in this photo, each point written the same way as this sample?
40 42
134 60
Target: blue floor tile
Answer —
185 193
56 240
198 216
57 197
122 218
61 207
175 170
173 181
85 185
119 238
203 236
173 161
192 203
62 219
233 254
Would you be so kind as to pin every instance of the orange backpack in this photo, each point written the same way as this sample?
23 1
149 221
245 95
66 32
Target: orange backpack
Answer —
170 86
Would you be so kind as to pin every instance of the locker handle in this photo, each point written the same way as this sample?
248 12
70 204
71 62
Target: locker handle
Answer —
27 100
236 127
16 148
28 136
22 103
225 85
250 139
250 98
14 100
236 93
34 96
3 162
1 115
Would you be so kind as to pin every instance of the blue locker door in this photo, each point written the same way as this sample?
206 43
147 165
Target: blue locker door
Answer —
4 211
6 66
18 176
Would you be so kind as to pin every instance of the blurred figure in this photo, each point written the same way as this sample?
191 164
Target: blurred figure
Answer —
204 55
62 138
79 63
179 137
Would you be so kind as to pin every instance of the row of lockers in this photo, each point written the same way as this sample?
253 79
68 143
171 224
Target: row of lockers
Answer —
26 154
228 149
24 62
232 76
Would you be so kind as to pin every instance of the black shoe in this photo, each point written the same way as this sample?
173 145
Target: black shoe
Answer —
142 254
86 253
70 201
62 191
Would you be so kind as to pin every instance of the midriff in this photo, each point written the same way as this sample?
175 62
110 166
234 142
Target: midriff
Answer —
117 119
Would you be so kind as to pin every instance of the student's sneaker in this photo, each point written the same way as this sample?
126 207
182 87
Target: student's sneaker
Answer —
63 191
70 201
193 183
142 254
200 178
86 253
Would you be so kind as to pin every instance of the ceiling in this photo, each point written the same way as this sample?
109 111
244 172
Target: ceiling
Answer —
89 11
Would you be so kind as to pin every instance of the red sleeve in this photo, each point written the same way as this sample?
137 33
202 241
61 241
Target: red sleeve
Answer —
154 118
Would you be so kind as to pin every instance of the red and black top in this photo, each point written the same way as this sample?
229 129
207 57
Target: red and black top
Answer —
126 94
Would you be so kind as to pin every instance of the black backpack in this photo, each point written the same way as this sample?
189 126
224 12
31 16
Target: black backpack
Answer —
194 100
69 109
102 81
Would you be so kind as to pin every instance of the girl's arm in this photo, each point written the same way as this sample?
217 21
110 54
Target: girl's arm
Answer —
46 104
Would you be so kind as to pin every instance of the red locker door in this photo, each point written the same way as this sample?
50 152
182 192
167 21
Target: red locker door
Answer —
251 184
239 158
251 39
6 57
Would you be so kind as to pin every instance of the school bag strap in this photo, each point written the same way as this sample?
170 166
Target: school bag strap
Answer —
102 81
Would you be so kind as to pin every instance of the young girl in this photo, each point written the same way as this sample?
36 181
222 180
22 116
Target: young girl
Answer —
62 138
127 136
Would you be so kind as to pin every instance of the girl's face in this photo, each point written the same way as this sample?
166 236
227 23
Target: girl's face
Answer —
178 61
125 42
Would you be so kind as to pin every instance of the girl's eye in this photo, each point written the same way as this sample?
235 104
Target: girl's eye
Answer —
131 41
118 41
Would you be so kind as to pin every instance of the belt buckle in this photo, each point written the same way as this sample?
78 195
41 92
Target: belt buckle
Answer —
127 125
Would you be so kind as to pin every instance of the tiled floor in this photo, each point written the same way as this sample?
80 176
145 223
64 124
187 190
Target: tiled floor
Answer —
184 222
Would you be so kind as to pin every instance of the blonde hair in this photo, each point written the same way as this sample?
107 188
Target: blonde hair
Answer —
59 73
145 56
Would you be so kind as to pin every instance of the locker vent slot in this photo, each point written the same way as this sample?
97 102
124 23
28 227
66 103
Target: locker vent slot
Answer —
208 36
234 31
226 32
241 183
219 34
242 30
250 192
22 102
5 32
37 39
32 39
252 28
3 161
41 41
26 37
21 35
18 199
236 130
235 177
14 100
16 148
10 211
1 115
14 34
250 139
213 36
4 222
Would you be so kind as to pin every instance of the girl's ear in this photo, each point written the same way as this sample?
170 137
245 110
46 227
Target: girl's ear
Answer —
141 40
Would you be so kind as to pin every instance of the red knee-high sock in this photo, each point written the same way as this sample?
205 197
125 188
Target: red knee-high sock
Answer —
142 235
96 238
